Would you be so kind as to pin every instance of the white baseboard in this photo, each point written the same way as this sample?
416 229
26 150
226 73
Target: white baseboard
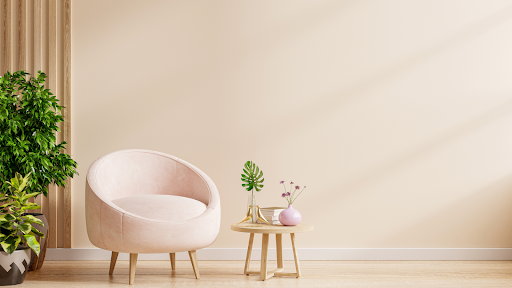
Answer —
304 254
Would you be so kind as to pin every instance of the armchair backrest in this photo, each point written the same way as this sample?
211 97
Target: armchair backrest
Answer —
141 172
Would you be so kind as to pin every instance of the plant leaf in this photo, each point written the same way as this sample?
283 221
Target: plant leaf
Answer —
25 228
37 232
29 195
32 219
11 243
32 243
252 176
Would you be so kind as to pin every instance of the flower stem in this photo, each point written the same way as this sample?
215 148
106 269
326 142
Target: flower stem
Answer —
299 193
293 193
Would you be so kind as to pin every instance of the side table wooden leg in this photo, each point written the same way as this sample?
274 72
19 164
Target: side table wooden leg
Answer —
295 256
264 252
279 249
249 251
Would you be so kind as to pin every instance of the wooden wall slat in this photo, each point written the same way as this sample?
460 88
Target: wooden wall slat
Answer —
22 35
67 118
7 36
52 79
38 48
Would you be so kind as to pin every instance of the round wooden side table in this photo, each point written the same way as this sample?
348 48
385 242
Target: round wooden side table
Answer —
279 230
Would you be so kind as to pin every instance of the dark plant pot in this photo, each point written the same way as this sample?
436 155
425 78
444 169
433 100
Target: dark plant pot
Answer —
14 267
37 262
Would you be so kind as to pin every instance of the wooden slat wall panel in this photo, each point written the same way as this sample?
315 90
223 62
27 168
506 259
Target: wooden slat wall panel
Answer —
22 35
51 48
67 116
7 36
56 55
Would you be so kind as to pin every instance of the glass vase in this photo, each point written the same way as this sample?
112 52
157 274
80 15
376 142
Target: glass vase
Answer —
252 202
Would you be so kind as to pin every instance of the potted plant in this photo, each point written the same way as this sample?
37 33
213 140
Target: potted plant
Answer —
17 228
253 180
290 216
29 115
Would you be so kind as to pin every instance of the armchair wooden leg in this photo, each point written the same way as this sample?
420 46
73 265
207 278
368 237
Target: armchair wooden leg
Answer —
133 264
173 260
113 260
193 259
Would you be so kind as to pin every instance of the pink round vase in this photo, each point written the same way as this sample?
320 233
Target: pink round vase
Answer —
290 216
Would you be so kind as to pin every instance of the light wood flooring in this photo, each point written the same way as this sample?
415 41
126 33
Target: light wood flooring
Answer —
315 274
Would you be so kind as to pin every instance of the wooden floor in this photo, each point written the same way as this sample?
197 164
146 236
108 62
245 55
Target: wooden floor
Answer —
315 274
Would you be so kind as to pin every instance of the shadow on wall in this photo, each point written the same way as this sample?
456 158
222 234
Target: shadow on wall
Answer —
329 105
388 168
498 195
472 209
424 224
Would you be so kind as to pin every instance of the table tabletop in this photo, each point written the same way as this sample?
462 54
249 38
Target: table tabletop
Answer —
271 229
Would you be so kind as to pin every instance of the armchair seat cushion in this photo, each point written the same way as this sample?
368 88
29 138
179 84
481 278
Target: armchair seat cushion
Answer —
161 207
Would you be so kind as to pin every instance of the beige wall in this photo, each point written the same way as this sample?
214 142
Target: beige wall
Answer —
397 115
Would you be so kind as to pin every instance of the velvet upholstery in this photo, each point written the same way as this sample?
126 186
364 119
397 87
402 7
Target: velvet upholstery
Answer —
140 201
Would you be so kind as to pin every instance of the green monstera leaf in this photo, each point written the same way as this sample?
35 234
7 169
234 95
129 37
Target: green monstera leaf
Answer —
252 176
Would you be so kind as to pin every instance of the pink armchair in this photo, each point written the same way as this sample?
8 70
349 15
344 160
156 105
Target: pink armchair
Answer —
140 201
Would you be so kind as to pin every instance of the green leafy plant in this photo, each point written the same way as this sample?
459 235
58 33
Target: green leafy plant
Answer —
29 115
253 177
15 226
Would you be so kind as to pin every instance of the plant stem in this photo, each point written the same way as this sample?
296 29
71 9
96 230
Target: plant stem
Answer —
299 193
252 205
293 193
